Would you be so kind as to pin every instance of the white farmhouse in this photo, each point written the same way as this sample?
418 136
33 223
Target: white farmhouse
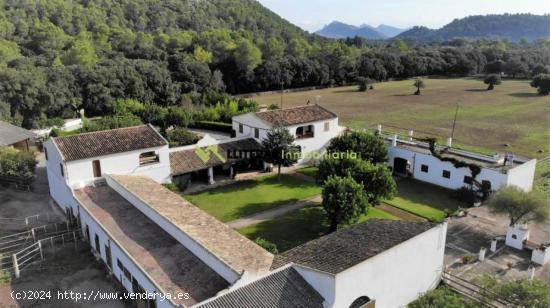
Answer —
414 158
313 126
379 263
154 242
80 160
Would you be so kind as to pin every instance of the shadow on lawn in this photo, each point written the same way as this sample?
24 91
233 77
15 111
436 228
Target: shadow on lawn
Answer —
476 90
255 208
525 95
427 194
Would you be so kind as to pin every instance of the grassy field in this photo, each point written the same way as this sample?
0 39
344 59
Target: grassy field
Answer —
300 226
511 114
425 200
248 197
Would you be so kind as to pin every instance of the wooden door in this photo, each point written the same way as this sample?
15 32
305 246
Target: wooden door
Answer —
96 166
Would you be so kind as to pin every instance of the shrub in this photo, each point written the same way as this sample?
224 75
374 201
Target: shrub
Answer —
172 187
542 83
111 122
492 80
181 136
57 132
465 259
267 245
442 297
18 164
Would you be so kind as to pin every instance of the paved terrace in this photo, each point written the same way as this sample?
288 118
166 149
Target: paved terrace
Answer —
165 260
232 248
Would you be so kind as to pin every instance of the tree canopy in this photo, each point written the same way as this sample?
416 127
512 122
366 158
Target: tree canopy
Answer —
520 206
343 200
367 146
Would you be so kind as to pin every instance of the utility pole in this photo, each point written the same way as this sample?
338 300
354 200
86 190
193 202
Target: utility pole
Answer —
282 93
454 122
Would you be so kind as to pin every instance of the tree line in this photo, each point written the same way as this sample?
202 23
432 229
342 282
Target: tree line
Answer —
57 57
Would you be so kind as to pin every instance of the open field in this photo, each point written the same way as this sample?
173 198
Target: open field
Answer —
300 226
248 197
511 114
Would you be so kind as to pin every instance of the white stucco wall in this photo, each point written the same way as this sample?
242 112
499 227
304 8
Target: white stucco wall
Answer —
197 249
308 145
323 283
59 189
396 276
436 167
80 172
118 253
523 175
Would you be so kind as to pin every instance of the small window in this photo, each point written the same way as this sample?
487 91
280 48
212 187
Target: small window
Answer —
424 168
256 133
447 174
327 126
514 237
241 128
46 153
61 170
468 180
148 158
119 264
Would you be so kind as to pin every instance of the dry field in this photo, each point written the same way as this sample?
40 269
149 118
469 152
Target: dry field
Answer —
512 114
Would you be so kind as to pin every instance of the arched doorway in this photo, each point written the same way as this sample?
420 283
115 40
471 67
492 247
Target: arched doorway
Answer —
400 166
362 302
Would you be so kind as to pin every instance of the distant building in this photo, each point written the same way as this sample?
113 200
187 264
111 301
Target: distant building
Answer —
312 126
15 137
413 158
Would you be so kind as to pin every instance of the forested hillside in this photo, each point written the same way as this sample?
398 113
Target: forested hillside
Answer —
58 56
514 27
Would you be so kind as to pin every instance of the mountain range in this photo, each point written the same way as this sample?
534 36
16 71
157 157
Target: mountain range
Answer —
339 30
514 27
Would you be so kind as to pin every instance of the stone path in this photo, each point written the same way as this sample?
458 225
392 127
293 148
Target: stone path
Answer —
273 213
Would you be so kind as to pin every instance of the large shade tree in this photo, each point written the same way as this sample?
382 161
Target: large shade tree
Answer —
344 201
542 83
520 206
366 146
376 179
279 148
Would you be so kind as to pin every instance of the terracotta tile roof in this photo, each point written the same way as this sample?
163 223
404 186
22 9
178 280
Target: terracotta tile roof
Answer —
186 161
338 251
281 289
296 115
170 265
108 142
10 134
233 249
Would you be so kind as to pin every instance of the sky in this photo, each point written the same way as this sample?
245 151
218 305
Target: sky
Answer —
312 15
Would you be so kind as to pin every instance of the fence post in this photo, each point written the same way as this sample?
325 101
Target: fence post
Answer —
33 236
27 222
75 242
40 248
15 266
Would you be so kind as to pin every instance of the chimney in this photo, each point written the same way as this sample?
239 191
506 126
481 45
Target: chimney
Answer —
411 133
379 129
449 142
394 141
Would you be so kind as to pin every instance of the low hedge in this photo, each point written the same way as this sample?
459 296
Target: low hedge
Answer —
215 126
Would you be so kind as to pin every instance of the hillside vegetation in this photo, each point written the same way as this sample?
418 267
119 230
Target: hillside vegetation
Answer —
514 27
58 56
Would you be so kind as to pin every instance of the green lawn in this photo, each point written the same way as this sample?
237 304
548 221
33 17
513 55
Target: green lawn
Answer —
298 227
542 177
423 199
248 197
511 114
309 171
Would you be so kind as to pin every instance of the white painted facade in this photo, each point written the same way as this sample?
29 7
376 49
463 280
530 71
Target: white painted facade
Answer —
79 173
521 175
392 278
250 126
